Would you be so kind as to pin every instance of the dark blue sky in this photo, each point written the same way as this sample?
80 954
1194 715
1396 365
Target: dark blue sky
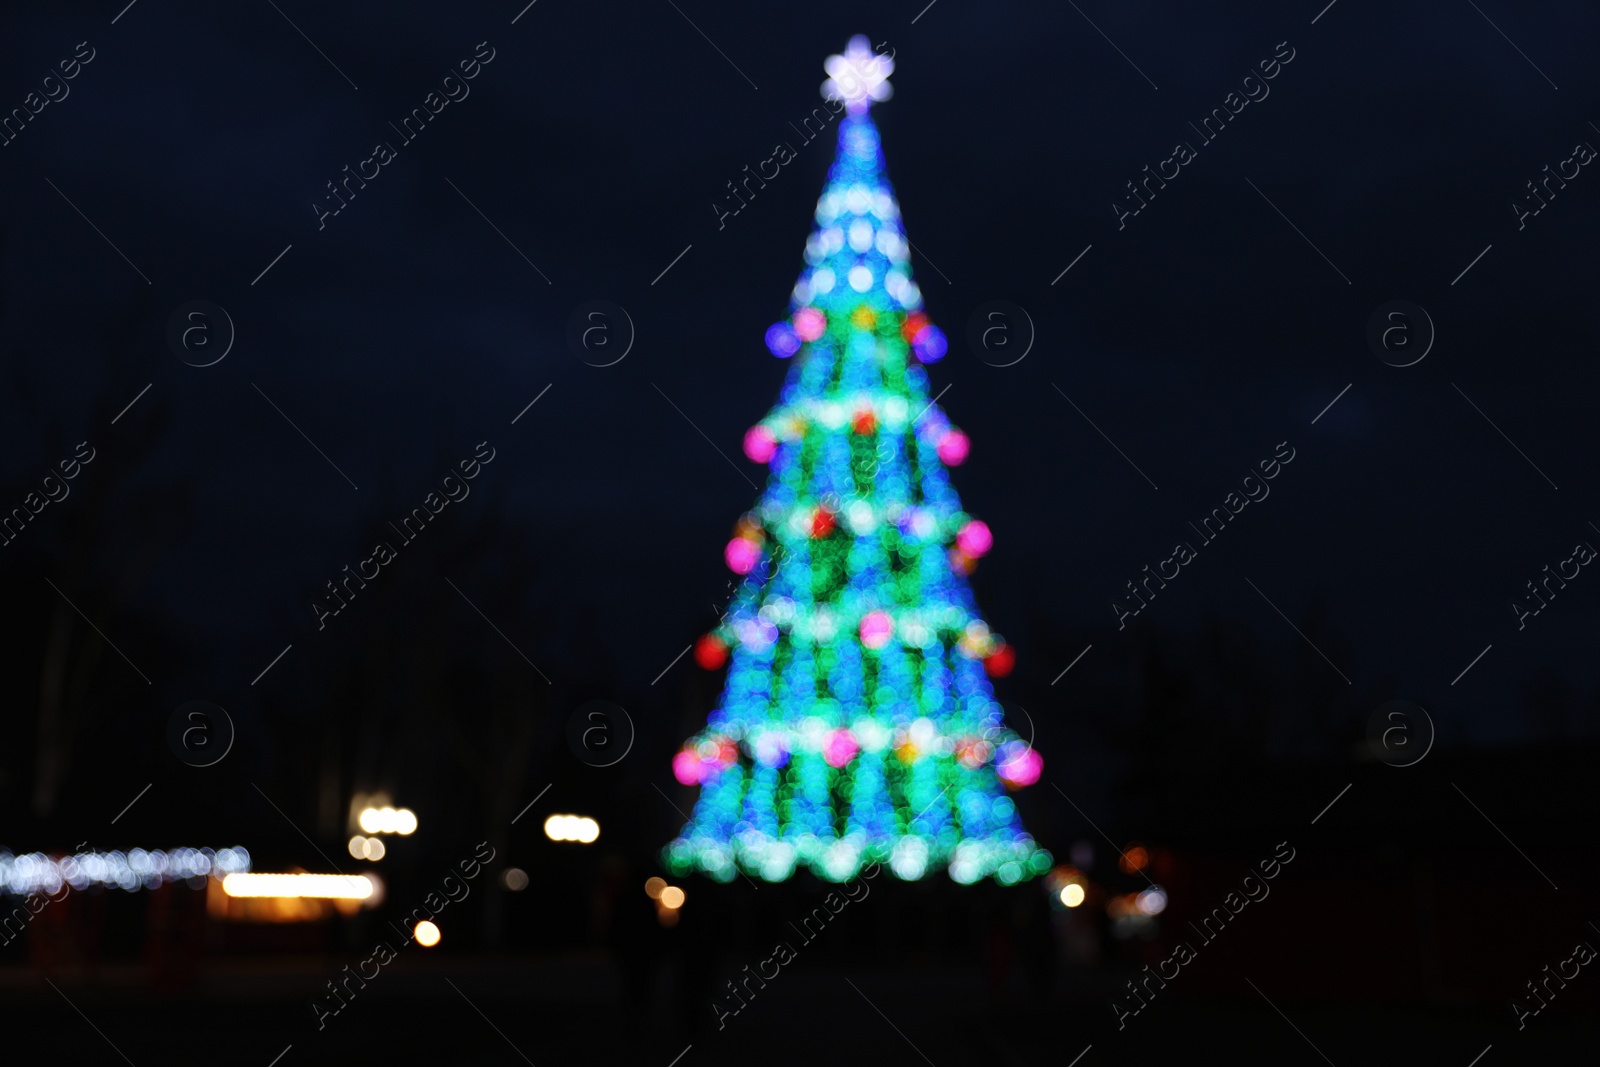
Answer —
1213 325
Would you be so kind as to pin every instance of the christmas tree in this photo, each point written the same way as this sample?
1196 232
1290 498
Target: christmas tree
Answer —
857 723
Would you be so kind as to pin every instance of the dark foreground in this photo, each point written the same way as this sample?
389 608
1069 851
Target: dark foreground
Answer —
575 1009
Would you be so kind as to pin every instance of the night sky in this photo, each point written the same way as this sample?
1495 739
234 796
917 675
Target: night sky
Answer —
1174 351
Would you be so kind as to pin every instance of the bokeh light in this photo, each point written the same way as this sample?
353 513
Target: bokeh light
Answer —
321 886
1152 901
579 828
387 820
782 340
367 848
36 873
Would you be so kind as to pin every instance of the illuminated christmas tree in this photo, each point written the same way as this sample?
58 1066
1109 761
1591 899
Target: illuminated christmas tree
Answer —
857 723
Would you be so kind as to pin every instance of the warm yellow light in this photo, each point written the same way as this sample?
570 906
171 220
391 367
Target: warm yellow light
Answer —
427 934
1072 894
653 887
671 898
387 820
367 848
578 828
322 886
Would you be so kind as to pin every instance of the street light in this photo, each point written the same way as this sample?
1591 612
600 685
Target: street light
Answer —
579 828
387 820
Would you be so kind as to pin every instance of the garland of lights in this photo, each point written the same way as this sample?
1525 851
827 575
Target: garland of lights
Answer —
35 872
857 724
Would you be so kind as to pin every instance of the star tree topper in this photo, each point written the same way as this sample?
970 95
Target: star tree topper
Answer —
860 77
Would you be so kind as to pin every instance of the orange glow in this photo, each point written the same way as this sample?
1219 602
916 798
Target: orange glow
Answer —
255 901
1127 904
1134 859
426 933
